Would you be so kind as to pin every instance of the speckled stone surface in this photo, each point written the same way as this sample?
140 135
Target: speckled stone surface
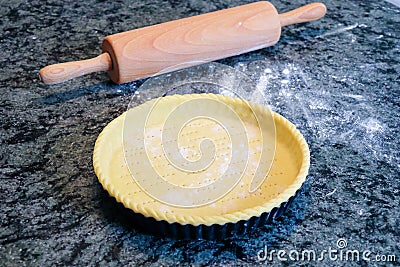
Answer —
336 79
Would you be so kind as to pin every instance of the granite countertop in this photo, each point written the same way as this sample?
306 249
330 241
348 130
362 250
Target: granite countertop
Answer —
337 79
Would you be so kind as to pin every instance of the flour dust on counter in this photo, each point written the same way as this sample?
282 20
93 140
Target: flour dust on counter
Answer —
327 115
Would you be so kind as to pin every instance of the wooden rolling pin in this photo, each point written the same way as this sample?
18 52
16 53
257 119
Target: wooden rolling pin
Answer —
173 45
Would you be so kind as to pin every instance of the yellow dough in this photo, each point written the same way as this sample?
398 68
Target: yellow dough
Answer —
290 160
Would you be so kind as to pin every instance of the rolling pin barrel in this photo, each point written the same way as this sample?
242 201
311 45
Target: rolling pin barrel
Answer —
169 46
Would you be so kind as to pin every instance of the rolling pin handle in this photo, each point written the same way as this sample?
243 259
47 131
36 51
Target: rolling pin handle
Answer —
62 72
302 14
